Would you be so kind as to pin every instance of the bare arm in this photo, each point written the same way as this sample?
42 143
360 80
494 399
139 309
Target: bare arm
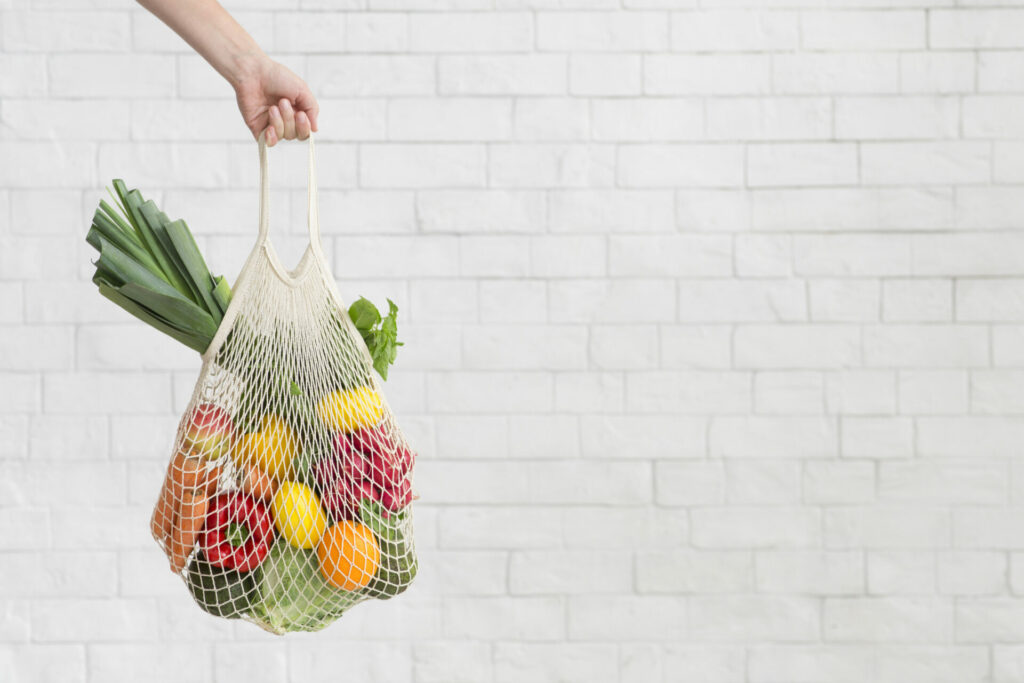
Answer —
270 96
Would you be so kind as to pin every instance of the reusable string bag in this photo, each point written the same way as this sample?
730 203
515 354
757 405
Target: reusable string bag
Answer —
288 497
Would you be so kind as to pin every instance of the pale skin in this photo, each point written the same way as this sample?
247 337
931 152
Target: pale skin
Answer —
272 99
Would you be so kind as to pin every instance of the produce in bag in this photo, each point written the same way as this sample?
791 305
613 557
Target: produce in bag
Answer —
288 497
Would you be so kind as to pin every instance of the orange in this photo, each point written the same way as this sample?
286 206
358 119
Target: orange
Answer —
349 555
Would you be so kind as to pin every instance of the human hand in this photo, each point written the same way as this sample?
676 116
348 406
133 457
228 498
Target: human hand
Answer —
273 99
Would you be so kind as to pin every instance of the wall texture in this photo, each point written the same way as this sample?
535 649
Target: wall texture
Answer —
714 316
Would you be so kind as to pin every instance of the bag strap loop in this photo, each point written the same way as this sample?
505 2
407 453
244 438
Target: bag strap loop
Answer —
313 216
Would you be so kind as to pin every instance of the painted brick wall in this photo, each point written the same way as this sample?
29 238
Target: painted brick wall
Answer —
714 314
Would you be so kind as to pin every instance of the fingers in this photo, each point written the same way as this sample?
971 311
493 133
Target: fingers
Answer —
285 123
302 125
288 114
305 102
276 125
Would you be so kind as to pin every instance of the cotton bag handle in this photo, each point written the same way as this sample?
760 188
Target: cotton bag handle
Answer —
313 216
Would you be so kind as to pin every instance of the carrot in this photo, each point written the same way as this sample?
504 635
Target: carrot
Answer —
163 514
258 483
190 523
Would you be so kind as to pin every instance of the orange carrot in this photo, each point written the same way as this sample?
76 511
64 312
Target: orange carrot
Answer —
190 522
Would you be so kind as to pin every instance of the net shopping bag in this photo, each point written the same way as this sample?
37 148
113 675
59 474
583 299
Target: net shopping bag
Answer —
288 497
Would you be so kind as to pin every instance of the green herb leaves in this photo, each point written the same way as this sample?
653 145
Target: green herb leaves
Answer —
379 333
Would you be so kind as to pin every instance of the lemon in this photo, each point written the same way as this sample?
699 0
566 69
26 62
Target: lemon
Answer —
298 515
347 410
272 448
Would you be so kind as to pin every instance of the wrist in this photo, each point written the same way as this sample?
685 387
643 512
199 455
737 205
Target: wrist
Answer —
246 66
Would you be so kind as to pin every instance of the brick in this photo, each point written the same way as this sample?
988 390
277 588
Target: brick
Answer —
844 300
760 617
782 393
689 483
371 75
926 163
551 119
647 120
601 31
513 301
449 119
471 32
642 436
931 346
476 211
769 118
618 347
992 117
707 74
839 73
997 71
887 527
376 32
975 28
741 301
452 662
810 572
888 619
581 392
681 166
685 393
879 118
610 211
518 347
422 256
972 573
599 74
877 437
734 30
615 618
551 165
801 164
504 618
689 571
713 210
546 572
797 346
863 30
933 392
942 482
88 75
860 392
937 72
755 527
494 256
917 300
611 301
418 166
502 75
693 256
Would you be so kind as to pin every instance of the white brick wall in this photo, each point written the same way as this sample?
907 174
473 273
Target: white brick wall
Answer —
715 325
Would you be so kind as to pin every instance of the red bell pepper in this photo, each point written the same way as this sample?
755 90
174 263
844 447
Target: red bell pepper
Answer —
238 532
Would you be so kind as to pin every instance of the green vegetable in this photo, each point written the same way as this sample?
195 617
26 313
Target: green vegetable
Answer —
221 592
398 563
293 594
379 333
151 267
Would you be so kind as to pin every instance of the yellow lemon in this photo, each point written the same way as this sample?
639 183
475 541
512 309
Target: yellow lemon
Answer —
272 448
298 515
350 409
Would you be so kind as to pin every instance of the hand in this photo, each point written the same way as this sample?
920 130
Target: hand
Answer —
273 99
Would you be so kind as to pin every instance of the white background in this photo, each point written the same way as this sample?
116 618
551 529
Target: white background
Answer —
713 319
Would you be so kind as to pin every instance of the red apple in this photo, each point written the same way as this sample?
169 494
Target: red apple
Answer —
210 432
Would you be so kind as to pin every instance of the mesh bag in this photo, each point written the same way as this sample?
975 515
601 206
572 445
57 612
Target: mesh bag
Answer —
288 497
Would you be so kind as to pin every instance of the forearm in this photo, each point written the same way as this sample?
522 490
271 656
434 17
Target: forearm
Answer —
211 32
